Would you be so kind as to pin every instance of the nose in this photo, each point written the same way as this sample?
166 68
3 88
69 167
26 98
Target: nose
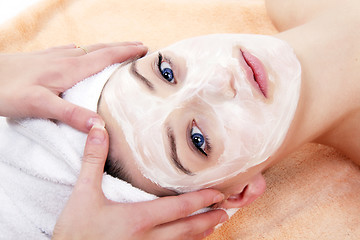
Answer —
225 84
229 90
219 85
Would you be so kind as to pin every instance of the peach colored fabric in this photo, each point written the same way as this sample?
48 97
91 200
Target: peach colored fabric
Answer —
156 23
312 194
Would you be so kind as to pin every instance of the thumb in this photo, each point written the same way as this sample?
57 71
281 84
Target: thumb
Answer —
96 150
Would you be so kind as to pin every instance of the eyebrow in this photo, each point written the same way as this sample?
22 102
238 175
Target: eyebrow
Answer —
174 156
144 80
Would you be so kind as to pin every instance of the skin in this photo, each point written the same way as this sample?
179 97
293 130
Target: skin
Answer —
330 77
328 71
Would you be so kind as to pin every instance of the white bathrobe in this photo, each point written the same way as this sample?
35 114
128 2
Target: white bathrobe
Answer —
39 164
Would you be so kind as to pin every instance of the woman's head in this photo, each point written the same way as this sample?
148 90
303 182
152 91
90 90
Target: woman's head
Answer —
205 110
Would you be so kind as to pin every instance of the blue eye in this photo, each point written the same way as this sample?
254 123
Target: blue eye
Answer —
198 139
165 70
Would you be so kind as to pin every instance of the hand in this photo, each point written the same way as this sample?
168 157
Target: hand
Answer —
30 83
90 215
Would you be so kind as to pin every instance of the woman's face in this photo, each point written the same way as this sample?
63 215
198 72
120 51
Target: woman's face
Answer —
200 112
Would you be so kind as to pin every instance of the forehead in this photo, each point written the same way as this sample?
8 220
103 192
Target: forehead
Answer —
194 47
204 47
212 40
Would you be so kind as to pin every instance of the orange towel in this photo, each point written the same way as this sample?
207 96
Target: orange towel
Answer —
312 194
157 23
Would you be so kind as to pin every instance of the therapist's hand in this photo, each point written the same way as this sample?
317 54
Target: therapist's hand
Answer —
30 83
90 215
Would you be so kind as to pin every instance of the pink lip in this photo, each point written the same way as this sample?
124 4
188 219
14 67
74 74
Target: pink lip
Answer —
255 72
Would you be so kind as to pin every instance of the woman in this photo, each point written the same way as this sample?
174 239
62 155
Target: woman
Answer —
306 128
327 48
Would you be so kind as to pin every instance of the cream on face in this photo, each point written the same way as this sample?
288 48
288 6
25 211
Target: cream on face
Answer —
231 99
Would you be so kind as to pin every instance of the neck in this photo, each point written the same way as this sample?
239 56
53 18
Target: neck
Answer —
329 105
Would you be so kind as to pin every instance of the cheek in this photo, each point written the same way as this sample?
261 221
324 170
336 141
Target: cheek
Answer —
139 181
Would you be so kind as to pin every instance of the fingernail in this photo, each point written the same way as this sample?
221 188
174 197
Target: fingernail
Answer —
97 134
138 43
218 198
224 218
95 121
142 47
208 232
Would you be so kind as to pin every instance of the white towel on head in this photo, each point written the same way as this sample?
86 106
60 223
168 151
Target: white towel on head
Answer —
39 164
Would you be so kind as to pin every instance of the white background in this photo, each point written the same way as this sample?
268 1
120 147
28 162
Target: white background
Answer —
11 8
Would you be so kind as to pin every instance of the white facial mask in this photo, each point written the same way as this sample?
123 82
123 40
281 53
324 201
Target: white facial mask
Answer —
250 126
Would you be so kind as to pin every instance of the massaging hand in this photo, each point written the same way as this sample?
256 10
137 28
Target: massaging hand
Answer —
89 215
30 83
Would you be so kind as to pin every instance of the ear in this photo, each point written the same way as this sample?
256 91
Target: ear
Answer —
255 188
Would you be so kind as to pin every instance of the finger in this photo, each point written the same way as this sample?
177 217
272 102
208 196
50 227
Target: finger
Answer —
95 153
108 56
57 108
68 46
82 50
194 227
176 207
98 46
79 68
72 50
57 49
205 234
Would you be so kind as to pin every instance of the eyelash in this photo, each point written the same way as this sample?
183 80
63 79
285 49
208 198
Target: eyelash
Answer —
161 60
207 146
